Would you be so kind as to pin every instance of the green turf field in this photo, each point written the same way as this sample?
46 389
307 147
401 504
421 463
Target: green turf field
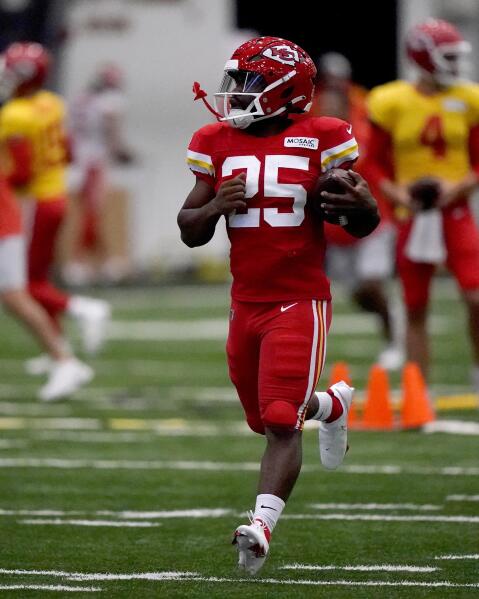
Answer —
133 487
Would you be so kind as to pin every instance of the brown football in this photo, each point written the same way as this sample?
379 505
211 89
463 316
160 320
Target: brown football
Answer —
329 181
425 192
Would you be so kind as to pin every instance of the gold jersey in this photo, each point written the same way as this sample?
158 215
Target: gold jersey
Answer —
40 119
429 133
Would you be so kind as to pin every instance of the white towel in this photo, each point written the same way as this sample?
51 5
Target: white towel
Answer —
426 239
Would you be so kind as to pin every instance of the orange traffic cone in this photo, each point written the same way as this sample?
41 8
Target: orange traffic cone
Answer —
378 413
340 372
416 409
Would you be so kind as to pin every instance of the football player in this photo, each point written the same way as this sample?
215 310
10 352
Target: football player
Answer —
67 373
255 168
427 134
34 141
363 265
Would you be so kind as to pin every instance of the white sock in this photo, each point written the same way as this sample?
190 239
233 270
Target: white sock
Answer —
325 406
268 509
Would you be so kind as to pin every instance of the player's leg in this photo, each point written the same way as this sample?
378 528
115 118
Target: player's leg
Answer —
374 267
462 241
67 374
415 278
91 314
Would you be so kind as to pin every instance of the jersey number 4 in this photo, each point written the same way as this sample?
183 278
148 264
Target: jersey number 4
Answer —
272 189
432 135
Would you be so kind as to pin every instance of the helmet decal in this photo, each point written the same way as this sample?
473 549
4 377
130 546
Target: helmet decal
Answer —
284 54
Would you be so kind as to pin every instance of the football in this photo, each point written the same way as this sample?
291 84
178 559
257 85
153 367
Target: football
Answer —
330 181
425 192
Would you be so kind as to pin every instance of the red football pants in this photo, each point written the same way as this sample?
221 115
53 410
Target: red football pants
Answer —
461 237
276 353
45 224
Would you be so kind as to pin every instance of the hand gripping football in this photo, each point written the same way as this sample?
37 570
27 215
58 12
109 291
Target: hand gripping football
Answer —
331 182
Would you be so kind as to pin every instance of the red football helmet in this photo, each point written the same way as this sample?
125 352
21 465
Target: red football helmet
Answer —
25 68
265 77
437 47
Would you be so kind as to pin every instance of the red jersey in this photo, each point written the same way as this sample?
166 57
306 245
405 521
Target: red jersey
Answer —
10 217
277 244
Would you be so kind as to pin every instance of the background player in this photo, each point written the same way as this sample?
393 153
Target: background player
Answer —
256 168
34 140
430 128
363 265
67 373
97 182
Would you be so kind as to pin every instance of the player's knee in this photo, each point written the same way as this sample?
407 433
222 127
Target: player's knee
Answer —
280 414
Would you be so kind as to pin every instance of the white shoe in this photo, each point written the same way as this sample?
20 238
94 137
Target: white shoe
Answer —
333 436
252 541
66 377
93 317
392 357
39 365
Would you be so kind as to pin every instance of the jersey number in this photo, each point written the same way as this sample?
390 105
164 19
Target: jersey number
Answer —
272 189
432 135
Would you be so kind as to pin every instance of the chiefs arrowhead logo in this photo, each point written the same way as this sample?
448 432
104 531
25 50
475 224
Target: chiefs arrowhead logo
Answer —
284 54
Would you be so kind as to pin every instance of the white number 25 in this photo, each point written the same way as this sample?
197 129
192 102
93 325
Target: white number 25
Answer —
272 189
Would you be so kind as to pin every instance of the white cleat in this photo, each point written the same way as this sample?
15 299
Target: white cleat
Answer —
252 541
392 357
333 436
93 322
66 377
41 364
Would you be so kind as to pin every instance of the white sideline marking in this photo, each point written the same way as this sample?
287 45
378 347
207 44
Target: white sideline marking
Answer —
71 464
48 587
217 328
20 422
192 576
60 522
81 576
376 568
462 498
382 518
129 514
465 556
376 506
457 427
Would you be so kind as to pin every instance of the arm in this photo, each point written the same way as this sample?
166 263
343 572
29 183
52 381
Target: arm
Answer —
380 165
357 204
20 154
202 209
457 191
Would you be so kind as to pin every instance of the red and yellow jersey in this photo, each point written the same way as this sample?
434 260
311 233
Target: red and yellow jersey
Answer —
429 133
39 120
277 244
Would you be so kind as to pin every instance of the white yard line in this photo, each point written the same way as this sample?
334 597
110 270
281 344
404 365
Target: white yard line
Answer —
376 506
456 427
48 587
72 464
73 522
384 518
128 514
373 568
455 557
462 498
194 577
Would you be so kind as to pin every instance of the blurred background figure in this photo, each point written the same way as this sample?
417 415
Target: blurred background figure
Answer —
34 143
364 266
66 374
424 149
94 247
